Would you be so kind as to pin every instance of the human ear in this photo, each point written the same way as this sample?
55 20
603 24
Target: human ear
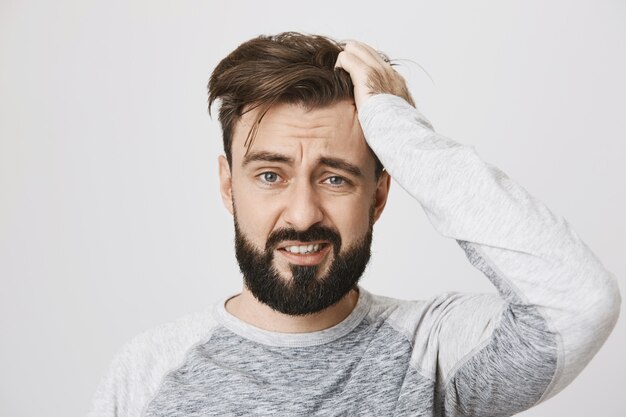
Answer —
226 183
382 192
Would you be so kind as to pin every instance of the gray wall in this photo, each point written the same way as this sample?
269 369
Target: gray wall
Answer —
110 219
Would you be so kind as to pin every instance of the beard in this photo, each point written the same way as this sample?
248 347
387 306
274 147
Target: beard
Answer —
304 292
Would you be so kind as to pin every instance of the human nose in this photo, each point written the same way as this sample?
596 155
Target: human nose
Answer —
302 207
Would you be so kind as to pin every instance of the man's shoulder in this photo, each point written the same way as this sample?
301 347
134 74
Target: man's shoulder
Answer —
412 317
170 338
139 367
385 306
448 322
155 351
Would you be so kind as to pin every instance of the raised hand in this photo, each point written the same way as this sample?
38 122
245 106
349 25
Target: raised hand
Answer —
371 73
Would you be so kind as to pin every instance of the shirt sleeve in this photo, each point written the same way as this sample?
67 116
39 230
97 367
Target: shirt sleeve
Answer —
557 303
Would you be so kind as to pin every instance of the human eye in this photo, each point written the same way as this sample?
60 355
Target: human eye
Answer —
269 177
336 181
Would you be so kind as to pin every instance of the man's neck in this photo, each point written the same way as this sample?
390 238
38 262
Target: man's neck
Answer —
250 310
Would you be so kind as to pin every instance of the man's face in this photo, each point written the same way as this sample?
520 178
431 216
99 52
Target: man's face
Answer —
304 198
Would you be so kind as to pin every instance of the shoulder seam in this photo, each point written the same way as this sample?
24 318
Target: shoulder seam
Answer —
406 337
206 339
472 352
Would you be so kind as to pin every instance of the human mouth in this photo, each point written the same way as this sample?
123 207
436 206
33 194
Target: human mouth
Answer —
303 249
301 253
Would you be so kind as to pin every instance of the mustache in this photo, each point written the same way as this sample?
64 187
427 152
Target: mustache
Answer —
315 232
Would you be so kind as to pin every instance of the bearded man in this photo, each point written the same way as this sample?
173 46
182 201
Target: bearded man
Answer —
313 129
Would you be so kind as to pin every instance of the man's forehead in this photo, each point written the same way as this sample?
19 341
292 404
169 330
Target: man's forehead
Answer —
334 128
340 113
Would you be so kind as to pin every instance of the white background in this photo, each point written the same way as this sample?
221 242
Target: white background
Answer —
110 217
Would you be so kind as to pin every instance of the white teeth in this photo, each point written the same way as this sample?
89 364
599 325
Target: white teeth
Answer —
303 248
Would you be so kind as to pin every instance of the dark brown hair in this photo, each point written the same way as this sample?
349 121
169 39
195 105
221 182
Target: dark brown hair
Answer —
289 67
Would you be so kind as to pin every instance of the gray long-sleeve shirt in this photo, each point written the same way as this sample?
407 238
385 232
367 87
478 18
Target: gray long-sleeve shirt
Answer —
453 355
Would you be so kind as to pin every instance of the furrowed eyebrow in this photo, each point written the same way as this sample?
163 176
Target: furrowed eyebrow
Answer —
267 157
344 165
336 163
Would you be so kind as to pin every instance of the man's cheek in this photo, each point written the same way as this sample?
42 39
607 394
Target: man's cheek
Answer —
254 230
